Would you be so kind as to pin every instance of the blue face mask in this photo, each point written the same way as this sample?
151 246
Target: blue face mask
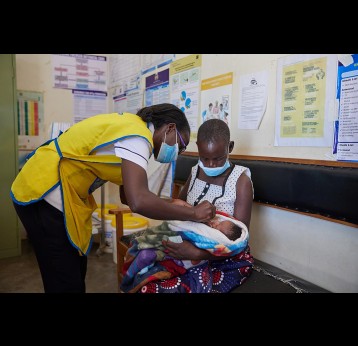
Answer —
214 171
167 153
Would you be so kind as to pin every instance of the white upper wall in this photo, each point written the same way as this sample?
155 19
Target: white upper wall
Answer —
34 74
254 142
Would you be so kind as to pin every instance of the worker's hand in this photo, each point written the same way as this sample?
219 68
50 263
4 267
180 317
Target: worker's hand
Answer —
178 201
204 212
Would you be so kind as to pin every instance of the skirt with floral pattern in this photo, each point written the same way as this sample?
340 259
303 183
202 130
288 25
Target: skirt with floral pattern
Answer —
219 276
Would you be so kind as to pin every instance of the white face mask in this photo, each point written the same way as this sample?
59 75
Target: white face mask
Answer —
168 153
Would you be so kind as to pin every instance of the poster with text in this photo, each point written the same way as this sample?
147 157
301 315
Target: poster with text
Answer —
124 72
79 71
305 103
157 88
347 94
253 99
150 62
87 103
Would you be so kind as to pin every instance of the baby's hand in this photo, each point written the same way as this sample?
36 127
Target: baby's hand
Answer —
213 222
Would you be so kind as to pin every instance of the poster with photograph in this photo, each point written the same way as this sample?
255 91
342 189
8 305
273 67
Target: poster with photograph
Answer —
216 94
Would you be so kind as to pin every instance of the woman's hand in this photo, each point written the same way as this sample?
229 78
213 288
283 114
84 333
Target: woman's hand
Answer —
187 251
184 250
203 212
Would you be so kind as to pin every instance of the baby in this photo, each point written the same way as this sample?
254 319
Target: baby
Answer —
228 228
148 259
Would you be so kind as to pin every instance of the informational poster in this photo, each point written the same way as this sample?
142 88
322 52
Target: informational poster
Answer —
253 99
129 102
120 103
305 100
185 77
79 71
124 71
157 88
134 101
216 95
347 94
151 62
88 103
30 119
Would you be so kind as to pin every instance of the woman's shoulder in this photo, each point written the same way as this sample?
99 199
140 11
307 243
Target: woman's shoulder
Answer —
242 169
194 168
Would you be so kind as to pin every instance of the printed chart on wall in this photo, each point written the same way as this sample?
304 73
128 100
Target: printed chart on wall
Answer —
124 72
79 71
87 103
157 88
30 119
129 102
216 94
150 62
124 82
185 88
253 99
346 145
305 103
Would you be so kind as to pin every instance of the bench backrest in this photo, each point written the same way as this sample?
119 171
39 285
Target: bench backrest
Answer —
329 191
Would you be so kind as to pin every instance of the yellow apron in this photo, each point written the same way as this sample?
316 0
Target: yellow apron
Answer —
67 161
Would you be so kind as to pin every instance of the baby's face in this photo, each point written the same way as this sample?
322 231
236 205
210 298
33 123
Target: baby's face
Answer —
222 226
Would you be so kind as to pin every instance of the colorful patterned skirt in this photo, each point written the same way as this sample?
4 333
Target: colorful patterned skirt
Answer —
219 276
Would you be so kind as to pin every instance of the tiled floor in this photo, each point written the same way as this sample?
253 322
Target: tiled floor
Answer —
21 274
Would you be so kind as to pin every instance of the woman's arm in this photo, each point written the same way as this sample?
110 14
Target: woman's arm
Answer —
184 191
142 201
242 212
187 251
122 195
243 203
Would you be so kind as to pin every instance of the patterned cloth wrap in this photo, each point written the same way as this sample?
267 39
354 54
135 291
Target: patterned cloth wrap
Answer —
146 260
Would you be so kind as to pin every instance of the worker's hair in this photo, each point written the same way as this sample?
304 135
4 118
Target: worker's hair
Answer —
235 232
165 113
213 130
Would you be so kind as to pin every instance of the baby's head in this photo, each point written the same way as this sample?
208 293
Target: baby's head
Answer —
227 227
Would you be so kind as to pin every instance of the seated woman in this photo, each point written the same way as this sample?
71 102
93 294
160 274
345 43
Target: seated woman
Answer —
146 259
229 188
